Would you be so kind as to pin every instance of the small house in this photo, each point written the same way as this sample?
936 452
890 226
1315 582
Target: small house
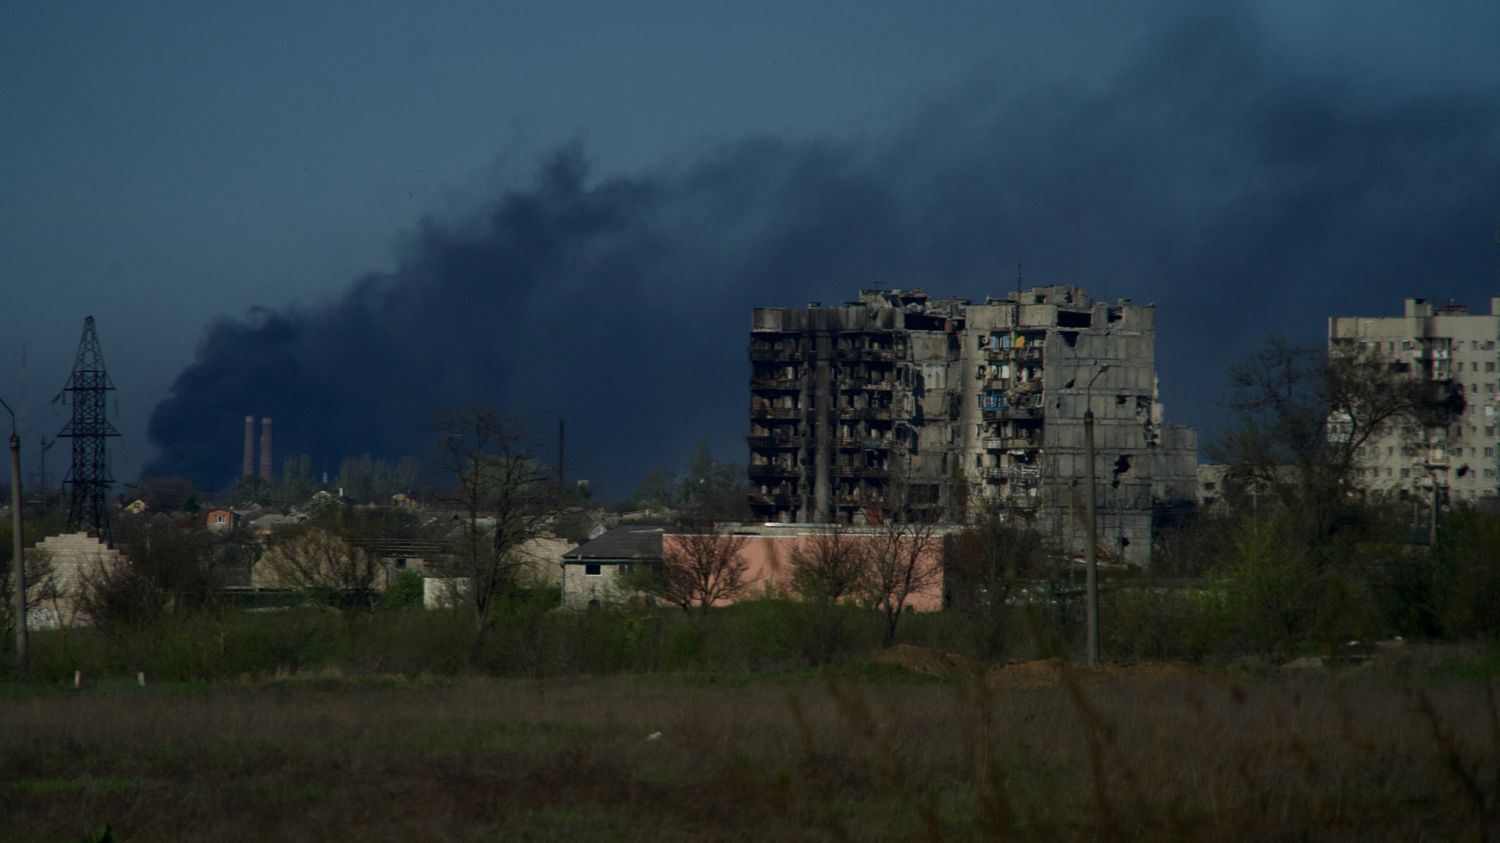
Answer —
595 572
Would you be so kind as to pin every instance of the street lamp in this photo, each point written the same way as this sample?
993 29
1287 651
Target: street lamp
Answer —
18 564
1091 553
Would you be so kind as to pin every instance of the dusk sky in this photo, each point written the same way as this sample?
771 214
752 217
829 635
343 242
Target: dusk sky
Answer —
347 215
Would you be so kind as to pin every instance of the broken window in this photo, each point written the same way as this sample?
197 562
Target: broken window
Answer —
1074 319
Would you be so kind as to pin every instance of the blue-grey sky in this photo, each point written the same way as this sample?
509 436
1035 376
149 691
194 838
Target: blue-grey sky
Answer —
169 163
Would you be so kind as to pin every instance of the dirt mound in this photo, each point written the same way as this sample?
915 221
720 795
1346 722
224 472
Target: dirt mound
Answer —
928 661
1038 673
1043 673
1151 670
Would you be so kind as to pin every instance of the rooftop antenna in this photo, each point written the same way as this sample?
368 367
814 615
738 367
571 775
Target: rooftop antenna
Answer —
88 477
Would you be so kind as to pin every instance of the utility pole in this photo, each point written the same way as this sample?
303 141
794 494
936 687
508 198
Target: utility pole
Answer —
1432 516
1091 553
17 560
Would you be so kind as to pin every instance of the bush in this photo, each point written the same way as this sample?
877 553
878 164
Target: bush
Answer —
404 592
1144 621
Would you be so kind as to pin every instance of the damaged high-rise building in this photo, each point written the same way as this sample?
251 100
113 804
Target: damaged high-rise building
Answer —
1447 345
953 405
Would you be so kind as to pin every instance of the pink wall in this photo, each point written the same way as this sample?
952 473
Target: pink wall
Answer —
770 568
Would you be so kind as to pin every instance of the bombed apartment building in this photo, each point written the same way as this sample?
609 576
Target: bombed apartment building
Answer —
942 405
1448 345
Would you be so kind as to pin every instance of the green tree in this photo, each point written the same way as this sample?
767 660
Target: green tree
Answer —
718 490
251 490
659 489
296 478
1306 544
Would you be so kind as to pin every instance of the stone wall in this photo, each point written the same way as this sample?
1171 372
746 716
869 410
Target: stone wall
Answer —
72 557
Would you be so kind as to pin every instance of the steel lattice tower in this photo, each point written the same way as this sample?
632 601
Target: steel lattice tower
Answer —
89 478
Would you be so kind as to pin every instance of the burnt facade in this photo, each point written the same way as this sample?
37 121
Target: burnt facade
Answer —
952 405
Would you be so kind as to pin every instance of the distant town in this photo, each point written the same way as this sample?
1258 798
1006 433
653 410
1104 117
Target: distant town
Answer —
896 416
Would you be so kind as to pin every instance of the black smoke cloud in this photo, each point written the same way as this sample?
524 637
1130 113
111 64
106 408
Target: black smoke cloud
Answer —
1239 187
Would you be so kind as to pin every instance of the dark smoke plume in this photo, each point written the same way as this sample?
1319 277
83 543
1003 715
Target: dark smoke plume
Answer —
1240 188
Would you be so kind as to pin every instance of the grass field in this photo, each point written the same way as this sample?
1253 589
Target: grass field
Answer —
861 753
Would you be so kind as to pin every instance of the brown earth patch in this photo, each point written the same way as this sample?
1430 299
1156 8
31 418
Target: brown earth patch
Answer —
928 661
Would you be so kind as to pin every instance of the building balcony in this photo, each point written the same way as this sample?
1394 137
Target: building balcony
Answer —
780 500
866 413
866 443
868 355
775 355
782 383
865 385
1012 413
772 471
1010 443
1024 354
767 412
768 441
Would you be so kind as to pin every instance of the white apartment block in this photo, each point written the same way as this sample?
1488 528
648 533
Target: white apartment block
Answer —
1444 343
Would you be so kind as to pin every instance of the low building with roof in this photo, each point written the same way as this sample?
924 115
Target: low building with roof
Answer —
594 572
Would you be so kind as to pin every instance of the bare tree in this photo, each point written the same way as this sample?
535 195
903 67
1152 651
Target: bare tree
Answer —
41 586
319 561
700 566
487 468
992 561
905 556
829 566
162 568
1306 412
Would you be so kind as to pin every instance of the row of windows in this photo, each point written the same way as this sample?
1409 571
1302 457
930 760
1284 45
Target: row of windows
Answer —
1455 451
1408 345
1406 473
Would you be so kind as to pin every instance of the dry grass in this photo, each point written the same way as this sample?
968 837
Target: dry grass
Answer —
1144 753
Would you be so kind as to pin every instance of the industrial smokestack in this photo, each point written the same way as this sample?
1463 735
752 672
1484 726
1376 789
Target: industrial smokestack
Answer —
265 449
247 465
